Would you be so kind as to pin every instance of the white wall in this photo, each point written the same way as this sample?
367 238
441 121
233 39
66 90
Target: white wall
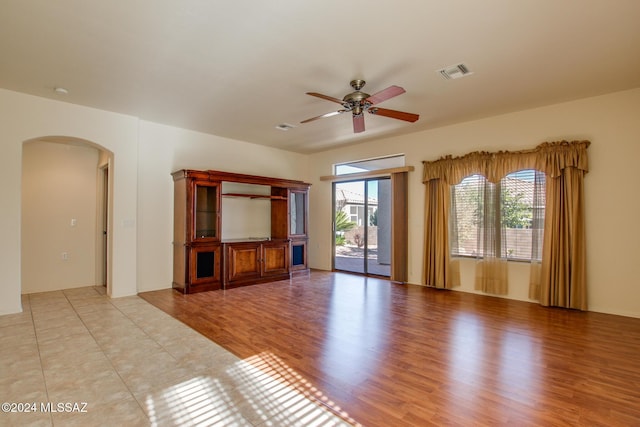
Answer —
24 118
58 186
610 122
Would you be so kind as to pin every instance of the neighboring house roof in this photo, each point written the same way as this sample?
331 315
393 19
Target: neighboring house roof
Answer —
352 198
524 187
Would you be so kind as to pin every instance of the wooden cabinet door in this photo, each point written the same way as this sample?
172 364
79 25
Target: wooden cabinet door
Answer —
204 268
298 208
298 254
205 211
275 257
243 261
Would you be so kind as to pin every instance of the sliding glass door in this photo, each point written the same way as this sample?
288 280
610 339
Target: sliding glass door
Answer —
362 226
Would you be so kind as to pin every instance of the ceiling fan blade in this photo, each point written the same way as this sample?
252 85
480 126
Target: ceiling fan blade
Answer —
327 97
333 113
358 123
394 114
385 94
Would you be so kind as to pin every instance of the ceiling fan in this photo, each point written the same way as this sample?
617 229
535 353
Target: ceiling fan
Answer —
358 102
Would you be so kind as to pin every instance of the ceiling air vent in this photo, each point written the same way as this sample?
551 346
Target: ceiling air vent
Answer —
454 71
285 126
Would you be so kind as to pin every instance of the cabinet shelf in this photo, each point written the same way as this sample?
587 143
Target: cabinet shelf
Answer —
254 196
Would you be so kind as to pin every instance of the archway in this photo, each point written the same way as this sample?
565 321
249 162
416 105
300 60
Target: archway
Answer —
66 214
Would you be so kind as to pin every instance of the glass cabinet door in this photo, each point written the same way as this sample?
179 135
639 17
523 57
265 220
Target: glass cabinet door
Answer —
206 210
297 212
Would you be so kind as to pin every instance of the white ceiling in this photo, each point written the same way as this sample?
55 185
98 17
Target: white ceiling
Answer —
239 68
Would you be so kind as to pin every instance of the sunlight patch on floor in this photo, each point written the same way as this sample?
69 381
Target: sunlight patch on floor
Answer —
259 390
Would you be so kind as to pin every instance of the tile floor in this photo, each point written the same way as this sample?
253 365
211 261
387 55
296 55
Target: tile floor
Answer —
134 365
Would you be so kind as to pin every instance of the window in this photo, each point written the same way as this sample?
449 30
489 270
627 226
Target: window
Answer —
354 214
369 165
503 220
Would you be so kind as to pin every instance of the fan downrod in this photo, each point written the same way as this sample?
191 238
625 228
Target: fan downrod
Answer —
357 84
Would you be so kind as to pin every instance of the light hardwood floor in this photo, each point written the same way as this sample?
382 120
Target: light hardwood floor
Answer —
384 354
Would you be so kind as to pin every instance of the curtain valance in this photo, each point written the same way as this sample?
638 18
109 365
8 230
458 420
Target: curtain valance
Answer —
548 157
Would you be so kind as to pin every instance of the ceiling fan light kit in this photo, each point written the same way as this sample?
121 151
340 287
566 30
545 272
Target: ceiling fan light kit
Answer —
358 102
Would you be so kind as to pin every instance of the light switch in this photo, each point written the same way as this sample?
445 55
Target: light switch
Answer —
73 222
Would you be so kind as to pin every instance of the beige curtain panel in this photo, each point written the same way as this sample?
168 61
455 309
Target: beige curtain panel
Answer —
437 272
491 269
560 279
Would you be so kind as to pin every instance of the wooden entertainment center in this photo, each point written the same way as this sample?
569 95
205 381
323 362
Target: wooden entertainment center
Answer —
204 260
